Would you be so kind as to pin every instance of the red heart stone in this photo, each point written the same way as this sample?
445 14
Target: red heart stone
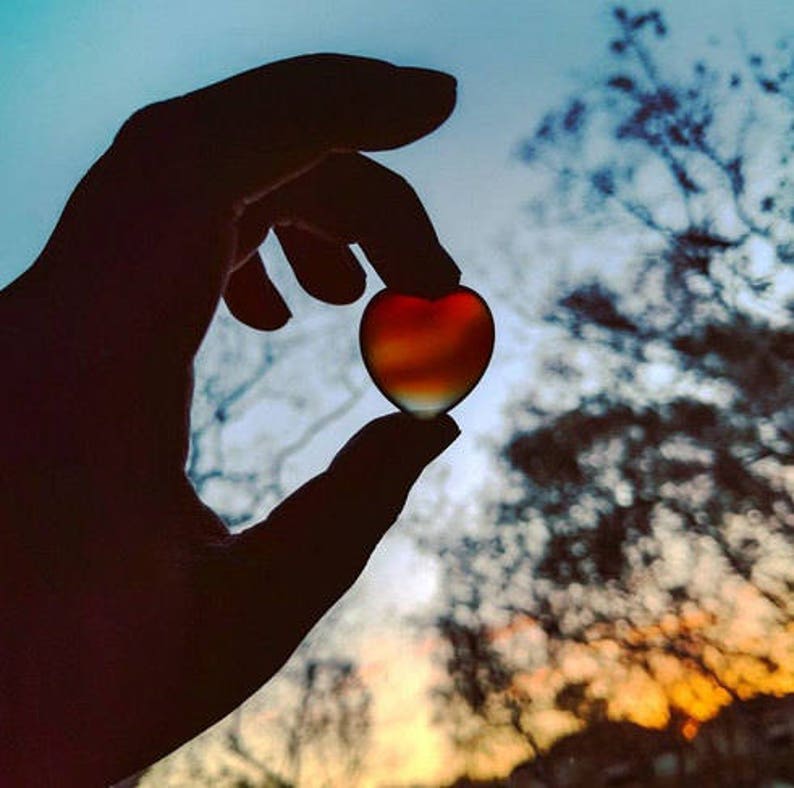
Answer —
426 355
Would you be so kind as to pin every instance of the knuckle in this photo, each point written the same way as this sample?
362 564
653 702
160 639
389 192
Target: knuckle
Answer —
154 121
397 186
379 179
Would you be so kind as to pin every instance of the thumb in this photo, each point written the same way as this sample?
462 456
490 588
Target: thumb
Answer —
336 519
278 578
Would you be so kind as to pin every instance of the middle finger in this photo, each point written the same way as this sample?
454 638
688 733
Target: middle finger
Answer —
348 198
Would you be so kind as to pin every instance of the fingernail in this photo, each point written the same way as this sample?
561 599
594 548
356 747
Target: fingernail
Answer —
431 76
439 277
447 427
423 443
279 315
397 440
270 318
433 436
438 87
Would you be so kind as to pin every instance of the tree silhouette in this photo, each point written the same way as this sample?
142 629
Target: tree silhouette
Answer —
333 717
239 370
645 520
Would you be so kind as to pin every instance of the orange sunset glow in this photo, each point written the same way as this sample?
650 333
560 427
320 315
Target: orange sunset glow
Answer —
631 695
736 663
409 748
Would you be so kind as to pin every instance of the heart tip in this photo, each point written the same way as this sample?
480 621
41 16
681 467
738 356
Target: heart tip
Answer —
426 415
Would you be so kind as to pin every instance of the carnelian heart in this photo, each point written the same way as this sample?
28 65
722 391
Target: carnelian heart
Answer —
426 355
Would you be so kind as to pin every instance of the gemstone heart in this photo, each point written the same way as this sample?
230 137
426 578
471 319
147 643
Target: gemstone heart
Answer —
426 355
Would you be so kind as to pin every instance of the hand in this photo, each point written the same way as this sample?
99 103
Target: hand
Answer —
130 618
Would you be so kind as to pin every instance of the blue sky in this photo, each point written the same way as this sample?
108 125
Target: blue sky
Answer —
74 71
70 72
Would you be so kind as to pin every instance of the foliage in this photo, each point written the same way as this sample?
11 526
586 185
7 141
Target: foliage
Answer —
645 520
332 717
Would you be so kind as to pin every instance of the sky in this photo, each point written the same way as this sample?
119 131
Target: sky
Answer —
71 72
74 71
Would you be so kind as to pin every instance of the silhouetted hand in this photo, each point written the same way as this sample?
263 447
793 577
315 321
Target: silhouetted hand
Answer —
130 619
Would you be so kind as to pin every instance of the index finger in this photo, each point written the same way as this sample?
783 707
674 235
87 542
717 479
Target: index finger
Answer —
351 199
253 131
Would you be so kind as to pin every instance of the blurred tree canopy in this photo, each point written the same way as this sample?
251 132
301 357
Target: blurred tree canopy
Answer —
641 536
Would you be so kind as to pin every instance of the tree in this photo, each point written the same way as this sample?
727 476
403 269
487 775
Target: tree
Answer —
643 529
333 717
235 464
